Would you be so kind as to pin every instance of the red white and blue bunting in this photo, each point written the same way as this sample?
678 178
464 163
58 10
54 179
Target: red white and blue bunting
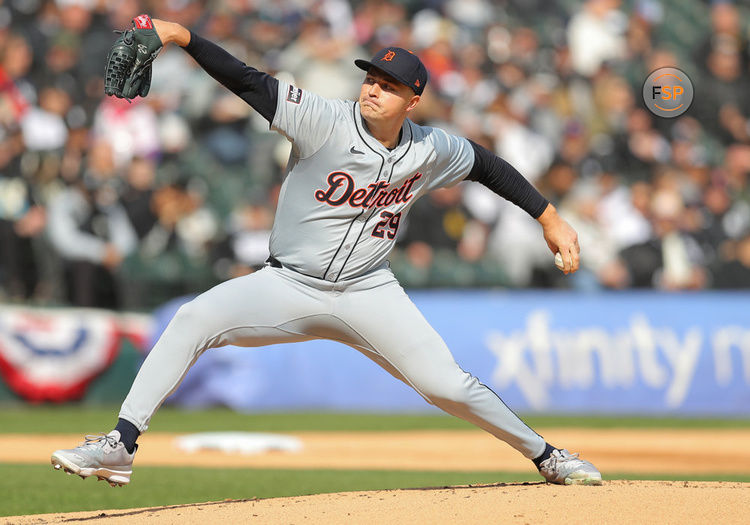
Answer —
53 354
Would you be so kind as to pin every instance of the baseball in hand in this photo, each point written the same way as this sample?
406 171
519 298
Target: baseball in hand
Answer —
559 261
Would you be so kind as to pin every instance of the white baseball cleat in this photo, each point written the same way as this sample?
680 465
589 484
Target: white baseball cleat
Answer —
102 455
565 468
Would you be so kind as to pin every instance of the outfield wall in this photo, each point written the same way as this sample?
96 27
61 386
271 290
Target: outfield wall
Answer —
631 352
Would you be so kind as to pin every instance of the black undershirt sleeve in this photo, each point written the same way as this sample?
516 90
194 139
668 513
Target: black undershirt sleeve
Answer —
502 178
257 88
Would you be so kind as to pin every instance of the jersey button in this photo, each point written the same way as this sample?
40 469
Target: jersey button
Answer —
331 278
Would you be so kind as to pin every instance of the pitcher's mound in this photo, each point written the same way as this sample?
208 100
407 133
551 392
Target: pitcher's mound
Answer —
621 502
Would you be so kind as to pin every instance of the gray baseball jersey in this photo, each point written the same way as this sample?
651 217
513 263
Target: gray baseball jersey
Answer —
345 194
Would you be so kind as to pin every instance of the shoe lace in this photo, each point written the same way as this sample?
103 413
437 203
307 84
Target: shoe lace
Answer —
93 440
567 455
561 457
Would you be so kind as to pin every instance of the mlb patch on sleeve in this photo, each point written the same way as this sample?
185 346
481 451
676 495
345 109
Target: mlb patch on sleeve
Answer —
294 95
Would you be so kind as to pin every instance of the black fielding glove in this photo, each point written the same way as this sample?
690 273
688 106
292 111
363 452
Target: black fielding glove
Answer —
128 71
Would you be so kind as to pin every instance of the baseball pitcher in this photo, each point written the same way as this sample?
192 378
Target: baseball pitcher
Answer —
355 169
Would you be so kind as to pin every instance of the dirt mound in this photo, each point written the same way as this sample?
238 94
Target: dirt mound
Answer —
622 502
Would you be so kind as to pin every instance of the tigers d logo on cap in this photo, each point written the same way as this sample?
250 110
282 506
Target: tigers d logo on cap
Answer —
401 64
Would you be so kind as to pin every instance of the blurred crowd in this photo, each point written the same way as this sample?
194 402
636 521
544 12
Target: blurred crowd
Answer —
125 205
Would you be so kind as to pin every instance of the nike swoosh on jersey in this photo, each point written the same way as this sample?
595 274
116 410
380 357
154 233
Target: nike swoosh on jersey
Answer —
354 150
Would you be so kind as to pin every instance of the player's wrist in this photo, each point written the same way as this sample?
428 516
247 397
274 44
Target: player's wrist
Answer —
548 216
171 32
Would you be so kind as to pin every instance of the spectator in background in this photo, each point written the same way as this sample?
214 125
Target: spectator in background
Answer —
558 181
21 220
640 147
130 128
734 271
514 139
82 23
39 109
16 92
186 223
671 259
175 256
436 231
223 125
624 211
44 127
726 25
596 34
601 268
247 243
320 57
91 232
136 197
724 109
511 247
714 232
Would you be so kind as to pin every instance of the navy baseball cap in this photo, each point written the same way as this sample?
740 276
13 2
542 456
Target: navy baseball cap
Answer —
401 64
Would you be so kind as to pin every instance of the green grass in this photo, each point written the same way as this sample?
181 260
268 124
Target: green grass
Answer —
37 489
81 420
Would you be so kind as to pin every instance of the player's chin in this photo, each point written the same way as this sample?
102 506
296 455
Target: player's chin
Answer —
370 115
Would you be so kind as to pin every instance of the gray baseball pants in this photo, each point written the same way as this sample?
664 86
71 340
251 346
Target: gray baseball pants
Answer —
370 313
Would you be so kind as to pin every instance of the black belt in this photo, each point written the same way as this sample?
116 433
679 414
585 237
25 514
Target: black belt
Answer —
273 261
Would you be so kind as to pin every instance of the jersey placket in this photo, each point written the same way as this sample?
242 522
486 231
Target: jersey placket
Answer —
355 230
358 226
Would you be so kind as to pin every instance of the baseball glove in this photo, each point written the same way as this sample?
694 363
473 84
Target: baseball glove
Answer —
128 72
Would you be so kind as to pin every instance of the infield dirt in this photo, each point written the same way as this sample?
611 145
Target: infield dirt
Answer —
613 451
